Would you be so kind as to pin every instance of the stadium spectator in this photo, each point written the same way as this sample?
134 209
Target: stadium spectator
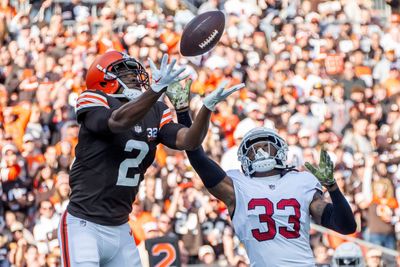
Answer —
165 225
185 206
45 230
374 258
207 255
150 231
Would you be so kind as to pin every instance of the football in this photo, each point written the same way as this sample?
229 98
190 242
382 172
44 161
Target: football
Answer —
202 33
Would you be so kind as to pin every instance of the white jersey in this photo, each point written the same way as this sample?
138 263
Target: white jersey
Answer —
272 217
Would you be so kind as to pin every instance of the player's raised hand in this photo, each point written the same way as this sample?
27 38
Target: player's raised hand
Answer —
165 75
219 94
323 172
179 96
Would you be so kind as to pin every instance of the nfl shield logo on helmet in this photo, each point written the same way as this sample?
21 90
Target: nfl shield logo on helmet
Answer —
138 128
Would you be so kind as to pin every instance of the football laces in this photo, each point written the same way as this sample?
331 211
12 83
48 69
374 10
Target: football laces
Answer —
209 39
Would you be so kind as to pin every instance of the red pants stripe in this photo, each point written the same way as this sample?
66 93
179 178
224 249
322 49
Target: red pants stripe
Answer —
64 240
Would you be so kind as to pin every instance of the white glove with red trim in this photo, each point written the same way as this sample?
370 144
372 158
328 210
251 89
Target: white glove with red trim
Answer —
165 75
219 94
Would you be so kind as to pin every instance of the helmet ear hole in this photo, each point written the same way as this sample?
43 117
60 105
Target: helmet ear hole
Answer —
103 84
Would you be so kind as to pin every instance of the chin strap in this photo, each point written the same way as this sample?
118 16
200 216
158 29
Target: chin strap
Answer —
131 94
130 97
128 93
285 170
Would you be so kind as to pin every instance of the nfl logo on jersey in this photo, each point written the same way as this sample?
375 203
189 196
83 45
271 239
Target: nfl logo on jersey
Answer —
138 128
272 186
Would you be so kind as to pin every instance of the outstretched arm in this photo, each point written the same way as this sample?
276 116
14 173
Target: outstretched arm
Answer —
192 137
337 216
127 115
213 176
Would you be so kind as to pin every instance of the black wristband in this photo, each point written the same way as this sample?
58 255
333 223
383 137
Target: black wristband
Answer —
331 187
182 110
184 118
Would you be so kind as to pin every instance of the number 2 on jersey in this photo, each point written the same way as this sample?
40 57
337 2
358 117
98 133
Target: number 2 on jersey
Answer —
266 217
123 180
170 254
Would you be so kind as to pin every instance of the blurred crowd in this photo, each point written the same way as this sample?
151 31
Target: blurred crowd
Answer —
322 73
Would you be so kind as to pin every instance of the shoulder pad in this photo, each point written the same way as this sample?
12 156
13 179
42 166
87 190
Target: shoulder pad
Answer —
90 99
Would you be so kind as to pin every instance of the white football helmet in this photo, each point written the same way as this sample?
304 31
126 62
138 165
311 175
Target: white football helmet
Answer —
263 160
348 254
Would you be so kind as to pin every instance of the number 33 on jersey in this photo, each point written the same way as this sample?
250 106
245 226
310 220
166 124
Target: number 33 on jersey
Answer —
274 218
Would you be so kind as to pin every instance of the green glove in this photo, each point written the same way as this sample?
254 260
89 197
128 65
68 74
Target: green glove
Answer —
179 96
324 172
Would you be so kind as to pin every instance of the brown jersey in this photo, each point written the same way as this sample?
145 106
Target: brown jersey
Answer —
109 166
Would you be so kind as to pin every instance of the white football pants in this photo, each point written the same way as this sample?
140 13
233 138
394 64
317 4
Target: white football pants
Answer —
87 244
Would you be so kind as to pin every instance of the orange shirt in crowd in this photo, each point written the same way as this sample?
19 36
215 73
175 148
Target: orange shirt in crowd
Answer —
198 87
17 127
34 160
105 45
213 81
207 86
77 42
390 202
171 39
8 10
161 155
72 141
228 125
10 173
362 70
137 225
392 86
334 240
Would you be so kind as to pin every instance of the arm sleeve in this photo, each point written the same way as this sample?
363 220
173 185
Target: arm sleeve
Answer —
338 216
167 134
209 171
